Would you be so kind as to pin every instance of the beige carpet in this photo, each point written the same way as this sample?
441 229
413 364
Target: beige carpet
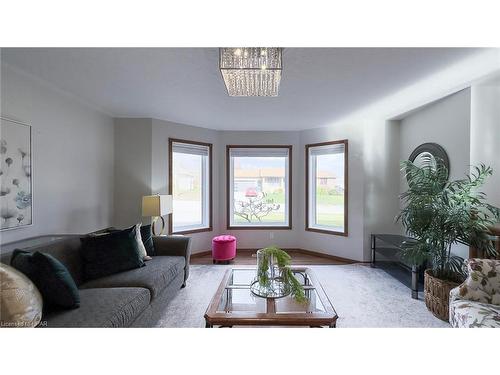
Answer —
362 297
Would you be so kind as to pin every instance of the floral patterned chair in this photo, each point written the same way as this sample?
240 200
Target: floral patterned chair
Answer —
476 302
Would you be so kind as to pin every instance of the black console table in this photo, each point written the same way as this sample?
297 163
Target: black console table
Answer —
387 247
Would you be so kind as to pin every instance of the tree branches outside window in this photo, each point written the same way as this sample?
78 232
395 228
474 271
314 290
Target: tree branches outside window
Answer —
255 208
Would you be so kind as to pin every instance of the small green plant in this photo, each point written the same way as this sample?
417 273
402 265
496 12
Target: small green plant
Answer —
282 259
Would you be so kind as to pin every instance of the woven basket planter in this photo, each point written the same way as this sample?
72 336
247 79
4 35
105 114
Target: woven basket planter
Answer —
437 295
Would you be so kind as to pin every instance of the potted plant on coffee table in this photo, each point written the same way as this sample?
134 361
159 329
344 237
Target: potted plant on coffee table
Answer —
439 214
275 278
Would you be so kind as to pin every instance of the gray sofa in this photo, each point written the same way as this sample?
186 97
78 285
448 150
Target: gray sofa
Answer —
135 298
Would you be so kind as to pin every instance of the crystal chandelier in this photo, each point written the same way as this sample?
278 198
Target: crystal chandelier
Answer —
251 71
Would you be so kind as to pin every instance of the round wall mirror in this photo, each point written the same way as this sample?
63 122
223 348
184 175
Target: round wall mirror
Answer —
430 154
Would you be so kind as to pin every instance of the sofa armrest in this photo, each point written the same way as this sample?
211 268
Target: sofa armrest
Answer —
455 293
483 281
174 246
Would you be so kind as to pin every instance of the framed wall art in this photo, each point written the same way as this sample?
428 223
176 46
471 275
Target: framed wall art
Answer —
16 180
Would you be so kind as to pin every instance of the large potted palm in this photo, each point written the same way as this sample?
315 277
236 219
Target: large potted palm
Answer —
439 214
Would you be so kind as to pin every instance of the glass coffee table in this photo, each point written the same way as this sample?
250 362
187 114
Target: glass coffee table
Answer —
235 305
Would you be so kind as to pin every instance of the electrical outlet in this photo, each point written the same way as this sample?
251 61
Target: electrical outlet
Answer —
271 235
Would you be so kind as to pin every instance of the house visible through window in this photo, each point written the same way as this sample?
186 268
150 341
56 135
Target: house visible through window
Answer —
258 186
326 187
190 186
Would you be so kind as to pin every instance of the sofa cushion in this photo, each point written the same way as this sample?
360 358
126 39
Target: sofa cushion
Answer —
102 307
155 275
469 314
110 253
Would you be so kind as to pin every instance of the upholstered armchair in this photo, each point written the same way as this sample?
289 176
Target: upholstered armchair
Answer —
476 302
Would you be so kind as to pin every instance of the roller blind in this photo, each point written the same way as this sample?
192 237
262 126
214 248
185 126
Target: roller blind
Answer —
259 152
327 149
188 148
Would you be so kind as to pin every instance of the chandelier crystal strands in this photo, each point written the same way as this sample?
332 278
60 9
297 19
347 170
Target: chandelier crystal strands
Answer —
251 71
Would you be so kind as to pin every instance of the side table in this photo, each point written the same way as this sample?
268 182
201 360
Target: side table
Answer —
388 246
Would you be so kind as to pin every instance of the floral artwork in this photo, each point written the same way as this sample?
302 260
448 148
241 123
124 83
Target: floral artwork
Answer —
16 209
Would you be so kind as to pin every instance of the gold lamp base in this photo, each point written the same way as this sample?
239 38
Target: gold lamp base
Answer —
153 225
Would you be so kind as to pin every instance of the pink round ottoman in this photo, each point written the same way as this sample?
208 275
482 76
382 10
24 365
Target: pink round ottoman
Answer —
223 248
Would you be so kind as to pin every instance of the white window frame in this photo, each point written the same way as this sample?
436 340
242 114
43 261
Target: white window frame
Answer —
258 151
204 150
311 171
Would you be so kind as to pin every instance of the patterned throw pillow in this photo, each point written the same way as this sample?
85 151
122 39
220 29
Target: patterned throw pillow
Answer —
483 281
20 301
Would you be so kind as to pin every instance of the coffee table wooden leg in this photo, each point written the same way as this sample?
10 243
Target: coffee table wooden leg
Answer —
208 325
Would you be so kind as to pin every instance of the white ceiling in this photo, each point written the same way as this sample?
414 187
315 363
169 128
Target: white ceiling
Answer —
318 87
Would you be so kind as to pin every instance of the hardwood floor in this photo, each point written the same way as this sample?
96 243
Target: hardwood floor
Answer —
299 257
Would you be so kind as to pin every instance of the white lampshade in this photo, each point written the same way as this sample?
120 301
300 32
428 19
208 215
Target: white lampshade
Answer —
156 205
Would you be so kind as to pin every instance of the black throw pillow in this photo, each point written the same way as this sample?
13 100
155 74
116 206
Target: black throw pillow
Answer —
51 277
110 253
147 239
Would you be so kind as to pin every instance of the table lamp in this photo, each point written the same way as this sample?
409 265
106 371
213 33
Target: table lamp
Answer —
156 206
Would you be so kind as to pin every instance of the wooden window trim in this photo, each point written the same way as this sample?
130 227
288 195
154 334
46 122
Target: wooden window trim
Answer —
228 186
210 184
346 188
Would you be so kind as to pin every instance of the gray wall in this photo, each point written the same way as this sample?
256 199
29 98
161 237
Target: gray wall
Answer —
133 138
373 187
72 157
381 179
485 134
375 150
162 130
446 122
372 206
141 168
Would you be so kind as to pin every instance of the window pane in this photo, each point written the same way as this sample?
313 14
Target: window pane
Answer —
330 190
326 187
189 189
259 188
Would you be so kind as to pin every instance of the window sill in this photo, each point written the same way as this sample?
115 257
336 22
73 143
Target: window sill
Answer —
191 231
325 231
259 227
